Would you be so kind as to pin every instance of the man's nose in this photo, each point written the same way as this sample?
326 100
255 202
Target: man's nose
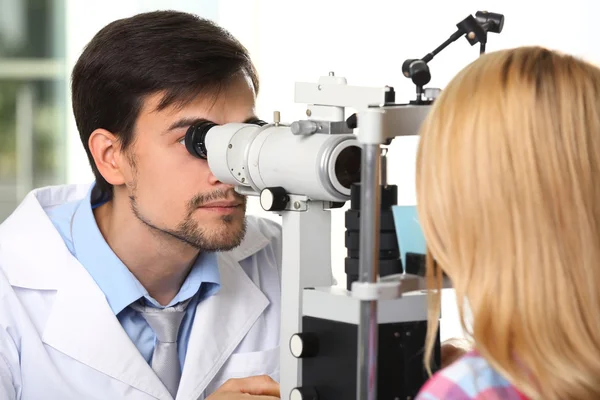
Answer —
213 180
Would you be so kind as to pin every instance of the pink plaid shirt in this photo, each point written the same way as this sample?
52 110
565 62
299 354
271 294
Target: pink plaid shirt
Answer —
469 378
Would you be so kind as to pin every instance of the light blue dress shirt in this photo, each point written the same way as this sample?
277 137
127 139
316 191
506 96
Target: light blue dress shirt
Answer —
76 224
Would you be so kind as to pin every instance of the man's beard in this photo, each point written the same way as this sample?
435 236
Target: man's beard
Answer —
222 237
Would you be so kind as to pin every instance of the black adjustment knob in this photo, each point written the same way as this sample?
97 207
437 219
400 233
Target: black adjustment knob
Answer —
274 199
304 393
417 70
304 345
352 121
492 21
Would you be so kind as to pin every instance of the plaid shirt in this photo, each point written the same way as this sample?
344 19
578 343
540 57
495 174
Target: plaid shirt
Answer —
469 378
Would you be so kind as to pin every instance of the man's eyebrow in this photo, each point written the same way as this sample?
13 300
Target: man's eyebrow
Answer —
183 123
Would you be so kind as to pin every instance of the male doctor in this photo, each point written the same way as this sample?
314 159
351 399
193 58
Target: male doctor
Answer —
151 283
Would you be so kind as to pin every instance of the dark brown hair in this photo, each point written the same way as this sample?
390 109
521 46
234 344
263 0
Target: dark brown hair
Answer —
175 53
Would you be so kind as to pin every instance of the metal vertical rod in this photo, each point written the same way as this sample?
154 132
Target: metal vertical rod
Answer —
369 270
383 170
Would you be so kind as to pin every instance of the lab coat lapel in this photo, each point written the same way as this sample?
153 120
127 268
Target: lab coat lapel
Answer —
220 324
82 326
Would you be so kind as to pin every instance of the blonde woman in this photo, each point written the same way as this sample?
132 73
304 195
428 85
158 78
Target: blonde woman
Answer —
508 188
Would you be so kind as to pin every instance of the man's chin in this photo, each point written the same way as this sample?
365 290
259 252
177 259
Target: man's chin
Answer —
217 221
226 234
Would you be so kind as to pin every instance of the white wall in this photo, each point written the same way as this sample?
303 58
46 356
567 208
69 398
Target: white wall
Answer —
363 41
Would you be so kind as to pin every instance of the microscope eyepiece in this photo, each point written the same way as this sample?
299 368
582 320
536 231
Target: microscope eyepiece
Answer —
195 138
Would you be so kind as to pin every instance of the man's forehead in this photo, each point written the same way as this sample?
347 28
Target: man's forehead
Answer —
238 91
154 103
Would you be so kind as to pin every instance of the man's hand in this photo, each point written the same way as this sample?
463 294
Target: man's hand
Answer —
253 388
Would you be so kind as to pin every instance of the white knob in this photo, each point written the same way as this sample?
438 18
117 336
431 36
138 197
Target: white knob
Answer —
304 127
296 346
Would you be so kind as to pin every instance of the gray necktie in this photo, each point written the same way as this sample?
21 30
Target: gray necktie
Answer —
165 323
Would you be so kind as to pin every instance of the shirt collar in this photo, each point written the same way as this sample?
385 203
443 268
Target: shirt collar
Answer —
119 285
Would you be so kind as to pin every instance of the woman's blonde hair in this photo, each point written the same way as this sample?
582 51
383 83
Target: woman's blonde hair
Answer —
508 194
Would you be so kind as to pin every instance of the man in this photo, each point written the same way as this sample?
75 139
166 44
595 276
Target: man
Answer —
151 283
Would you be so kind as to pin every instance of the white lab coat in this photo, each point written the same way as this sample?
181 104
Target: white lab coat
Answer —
59 339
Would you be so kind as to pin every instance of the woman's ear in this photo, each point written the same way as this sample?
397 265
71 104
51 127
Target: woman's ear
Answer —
105 149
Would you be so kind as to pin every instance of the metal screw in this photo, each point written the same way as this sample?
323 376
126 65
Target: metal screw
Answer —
243 180
230 146
471 35
319 87
308 113
397 334
296 205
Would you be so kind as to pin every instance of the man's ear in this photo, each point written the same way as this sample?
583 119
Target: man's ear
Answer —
105 148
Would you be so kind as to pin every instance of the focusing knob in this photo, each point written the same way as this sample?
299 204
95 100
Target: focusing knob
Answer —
304 393
274 199
304 127
304 345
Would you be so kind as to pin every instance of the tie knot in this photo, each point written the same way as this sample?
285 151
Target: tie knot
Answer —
165 322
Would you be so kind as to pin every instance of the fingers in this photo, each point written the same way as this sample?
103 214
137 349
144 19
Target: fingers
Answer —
256 385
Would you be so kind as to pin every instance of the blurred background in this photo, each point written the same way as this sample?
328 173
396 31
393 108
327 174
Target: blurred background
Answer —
365 41
33 100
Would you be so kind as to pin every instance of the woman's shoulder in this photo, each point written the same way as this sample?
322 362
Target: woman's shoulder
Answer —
469 378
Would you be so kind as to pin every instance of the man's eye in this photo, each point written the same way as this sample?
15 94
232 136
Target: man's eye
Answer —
182 141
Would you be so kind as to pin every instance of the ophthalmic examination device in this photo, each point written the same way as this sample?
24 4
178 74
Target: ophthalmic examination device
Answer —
365 341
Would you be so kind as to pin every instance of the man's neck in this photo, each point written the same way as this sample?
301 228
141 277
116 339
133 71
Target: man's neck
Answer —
161 264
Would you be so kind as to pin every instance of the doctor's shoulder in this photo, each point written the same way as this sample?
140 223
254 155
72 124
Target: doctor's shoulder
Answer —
268 227
269 231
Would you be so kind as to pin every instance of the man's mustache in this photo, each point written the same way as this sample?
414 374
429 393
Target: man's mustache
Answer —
204 198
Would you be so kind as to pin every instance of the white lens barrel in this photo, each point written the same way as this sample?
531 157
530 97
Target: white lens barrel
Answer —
320 166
